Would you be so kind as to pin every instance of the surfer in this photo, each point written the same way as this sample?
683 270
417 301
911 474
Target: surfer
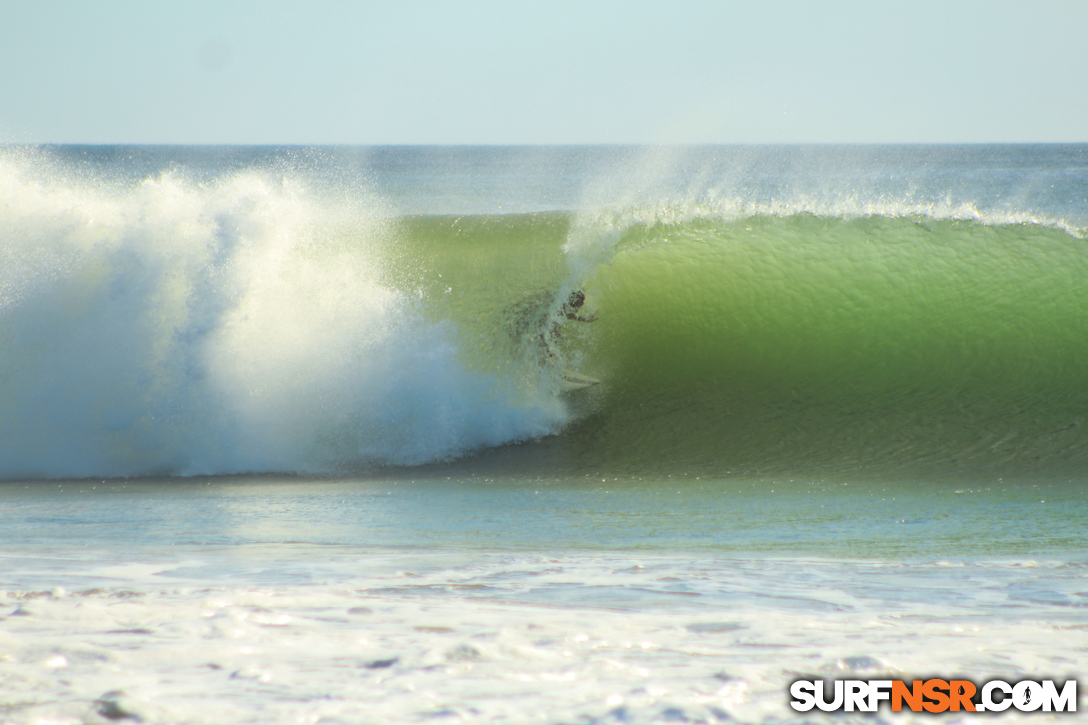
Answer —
549 338
535 317
568 379
570 309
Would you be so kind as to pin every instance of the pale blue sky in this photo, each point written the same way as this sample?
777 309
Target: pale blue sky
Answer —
402 71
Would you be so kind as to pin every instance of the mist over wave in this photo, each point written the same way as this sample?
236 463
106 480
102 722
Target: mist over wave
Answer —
240 324
182 311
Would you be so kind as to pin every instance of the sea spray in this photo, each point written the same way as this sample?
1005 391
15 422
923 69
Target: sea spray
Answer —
234 325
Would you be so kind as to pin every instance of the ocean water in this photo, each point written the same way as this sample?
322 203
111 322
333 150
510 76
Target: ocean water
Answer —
286 433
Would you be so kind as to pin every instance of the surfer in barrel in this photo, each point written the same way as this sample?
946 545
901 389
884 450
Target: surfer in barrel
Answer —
570 309
536 318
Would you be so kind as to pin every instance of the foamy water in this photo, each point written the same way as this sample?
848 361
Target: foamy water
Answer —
296 635
309 601
236 325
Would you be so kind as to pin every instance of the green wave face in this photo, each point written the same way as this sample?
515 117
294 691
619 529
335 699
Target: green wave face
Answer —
495 277
796 343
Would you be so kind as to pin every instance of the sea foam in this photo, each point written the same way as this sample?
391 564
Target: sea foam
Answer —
239 324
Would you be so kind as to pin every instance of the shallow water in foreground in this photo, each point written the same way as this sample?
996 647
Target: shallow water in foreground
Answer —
850 518
254 600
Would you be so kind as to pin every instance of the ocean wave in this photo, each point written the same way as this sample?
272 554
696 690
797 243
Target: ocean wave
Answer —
246 322
783 341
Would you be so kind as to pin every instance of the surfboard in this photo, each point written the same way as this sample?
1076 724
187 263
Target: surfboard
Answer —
570 380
